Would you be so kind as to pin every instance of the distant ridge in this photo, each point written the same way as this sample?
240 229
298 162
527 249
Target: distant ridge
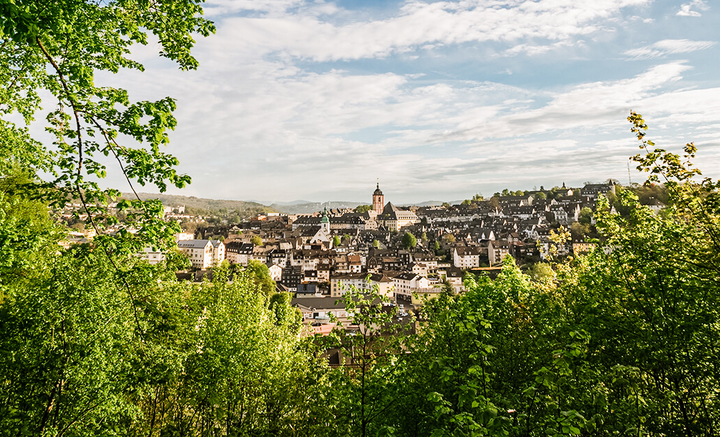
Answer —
311 207
294 202
254 207
426 203
206 204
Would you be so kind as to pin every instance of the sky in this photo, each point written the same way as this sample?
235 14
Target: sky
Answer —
318 100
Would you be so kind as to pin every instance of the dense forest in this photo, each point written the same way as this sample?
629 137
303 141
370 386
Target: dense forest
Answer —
94 341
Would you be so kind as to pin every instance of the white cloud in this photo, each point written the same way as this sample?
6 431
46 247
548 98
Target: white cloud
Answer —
536 50
668 46
686 9
593 104
419 24
219 8
260 119
266 127
645 20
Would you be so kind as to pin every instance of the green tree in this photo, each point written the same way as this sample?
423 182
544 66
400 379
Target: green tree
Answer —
57 49
409 241
585 216
256 240
94 341
369 354
336 240
449 238
285 314
363 208
579 231
541 272
260 276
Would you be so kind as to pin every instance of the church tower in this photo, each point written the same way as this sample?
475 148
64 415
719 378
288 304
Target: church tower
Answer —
325 221
378 200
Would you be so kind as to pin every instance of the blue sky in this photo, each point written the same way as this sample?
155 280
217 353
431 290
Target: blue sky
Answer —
316 100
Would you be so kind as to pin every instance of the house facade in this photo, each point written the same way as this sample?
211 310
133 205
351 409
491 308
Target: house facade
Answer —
203 253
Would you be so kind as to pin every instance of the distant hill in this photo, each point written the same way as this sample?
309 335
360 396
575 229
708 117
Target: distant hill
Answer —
310 207
294 202
428 203
248 208
213 205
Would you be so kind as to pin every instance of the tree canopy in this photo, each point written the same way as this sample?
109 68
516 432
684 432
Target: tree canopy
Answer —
57 48
409 240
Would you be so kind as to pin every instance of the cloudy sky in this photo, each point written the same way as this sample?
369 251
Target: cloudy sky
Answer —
315 100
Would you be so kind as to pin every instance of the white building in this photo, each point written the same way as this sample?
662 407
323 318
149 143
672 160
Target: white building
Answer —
152 256
466 257
408 283
340 284
395 218
275 272
203 253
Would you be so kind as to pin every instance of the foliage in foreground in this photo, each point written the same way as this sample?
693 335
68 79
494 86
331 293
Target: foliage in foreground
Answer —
79 356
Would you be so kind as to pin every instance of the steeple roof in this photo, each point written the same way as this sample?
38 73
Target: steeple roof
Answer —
377 191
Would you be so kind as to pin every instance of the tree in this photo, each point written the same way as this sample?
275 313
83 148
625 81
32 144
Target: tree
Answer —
449 238
285 314
540 272
76 324
540 196
579 231
94 341
409 241
361 209
57 48
336 240
256 240
585 216
260 276
369 353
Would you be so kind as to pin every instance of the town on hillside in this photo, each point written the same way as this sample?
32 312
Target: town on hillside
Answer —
409 254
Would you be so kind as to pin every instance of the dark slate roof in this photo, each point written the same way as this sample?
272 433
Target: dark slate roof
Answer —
193 244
